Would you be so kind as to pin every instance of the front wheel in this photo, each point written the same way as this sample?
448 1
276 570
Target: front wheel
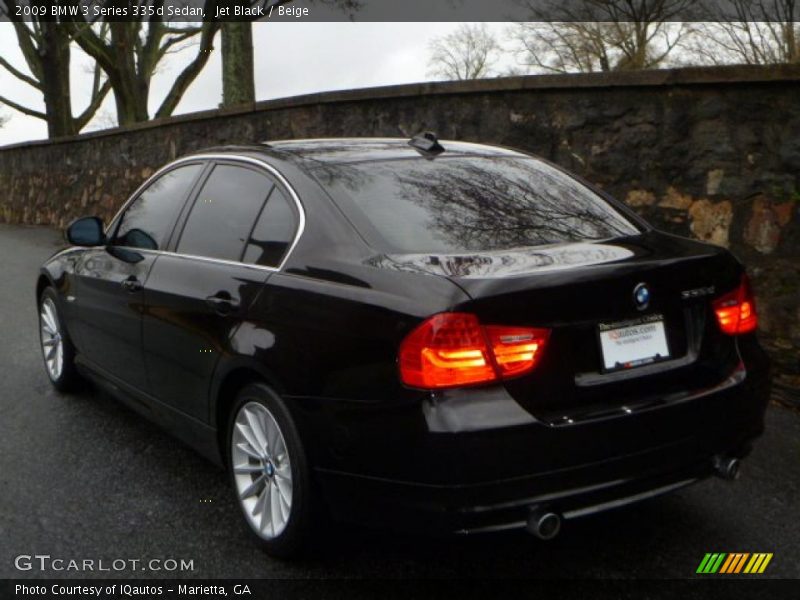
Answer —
269 471
57 349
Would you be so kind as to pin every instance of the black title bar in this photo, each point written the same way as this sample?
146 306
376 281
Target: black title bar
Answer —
195 11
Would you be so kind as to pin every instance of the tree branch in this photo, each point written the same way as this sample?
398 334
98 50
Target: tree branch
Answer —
29 49
181 37
92 44
190 72
19 74
23 109
94 104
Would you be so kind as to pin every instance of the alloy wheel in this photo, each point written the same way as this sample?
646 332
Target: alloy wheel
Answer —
52 339
262 470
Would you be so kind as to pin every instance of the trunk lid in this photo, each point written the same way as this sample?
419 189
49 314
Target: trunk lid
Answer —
577 289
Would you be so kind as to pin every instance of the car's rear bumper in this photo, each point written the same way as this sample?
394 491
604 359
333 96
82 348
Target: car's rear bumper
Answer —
500 505
481 480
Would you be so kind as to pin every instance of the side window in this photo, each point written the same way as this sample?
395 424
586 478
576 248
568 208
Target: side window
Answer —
224 213
149 219
273 233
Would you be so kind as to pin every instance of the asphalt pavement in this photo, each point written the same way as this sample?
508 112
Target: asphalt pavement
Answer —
82 477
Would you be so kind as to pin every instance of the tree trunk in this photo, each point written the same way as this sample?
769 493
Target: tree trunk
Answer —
792 49
131 87
238 79
56 81
131 101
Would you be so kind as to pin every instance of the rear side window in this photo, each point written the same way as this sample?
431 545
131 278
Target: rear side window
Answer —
224 213
273 233
149 219
469 204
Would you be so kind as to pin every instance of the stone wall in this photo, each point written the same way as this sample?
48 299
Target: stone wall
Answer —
712 153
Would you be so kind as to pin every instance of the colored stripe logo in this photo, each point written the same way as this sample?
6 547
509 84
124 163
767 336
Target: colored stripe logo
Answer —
734 563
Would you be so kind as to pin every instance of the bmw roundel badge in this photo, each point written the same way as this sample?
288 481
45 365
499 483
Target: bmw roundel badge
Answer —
641 296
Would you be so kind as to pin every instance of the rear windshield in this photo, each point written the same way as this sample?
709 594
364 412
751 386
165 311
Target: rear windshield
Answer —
454 205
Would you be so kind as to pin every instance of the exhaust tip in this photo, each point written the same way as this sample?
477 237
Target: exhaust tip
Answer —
727 467
543 524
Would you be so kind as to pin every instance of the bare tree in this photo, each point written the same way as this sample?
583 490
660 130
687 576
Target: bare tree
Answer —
753 32
599 35
45 46
131 52
470 52
564 47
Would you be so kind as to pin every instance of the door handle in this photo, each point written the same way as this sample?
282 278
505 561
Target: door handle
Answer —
223 303
131 284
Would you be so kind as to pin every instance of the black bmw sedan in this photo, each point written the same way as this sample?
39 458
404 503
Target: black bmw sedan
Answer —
426 335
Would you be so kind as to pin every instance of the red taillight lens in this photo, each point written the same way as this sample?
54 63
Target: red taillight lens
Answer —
453 349
447 350
516 350
736 310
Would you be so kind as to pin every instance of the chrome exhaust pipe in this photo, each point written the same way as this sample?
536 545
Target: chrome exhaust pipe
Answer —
543 524
727 467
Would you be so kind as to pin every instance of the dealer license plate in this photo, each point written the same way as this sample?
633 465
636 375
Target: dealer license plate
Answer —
633 343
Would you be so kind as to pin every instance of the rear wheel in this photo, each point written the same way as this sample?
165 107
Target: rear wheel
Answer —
57 349
269 471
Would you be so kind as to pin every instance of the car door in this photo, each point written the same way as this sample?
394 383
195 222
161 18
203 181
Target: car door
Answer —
110 280
198 295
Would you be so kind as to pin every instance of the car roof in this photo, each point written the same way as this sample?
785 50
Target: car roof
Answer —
350 150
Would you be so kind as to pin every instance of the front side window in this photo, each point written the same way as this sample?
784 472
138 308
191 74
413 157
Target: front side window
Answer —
225 212
149 219
470 204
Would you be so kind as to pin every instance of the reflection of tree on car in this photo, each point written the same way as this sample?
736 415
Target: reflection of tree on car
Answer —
467 204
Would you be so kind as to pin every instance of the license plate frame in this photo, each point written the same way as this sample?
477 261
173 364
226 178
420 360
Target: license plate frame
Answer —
650 343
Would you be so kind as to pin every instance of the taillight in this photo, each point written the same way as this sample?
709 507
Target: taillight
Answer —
516 350
736 310
447 350
454 349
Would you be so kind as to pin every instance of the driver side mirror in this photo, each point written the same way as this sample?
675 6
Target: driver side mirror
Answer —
86 231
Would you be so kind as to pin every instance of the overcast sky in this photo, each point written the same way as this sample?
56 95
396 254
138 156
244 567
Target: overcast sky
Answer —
290 59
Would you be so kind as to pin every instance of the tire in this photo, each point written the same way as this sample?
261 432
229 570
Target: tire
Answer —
58 351
269 472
